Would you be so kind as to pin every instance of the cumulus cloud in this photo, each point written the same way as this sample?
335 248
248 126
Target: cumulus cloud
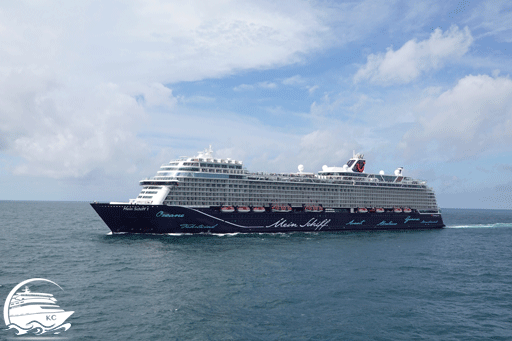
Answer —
472 118
61 130
78 83
153 95
414 58
70 134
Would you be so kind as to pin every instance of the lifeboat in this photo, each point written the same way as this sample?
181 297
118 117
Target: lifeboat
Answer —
379 210
281 208
397 210
258 209
227 209
362 210
407 210
243 209
313 208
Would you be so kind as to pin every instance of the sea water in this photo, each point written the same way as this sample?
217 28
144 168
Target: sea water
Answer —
448 284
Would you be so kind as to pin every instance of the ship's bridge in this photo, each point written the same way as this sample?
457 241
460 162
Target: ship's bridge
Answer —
204 165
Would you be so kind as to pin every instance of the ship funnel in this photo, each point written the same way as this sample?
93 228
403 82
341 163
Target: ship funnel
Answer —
356 163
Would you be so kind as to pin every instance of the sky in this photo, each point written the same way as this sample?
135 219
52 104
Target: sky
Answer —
97 95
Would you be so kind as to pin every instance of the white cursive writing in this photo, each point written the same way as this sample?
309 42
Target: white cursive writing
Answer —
313 222
282 223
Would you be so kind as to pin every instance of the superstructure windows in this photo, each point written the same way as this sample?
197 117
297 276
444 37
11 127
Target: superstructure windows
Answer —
210 182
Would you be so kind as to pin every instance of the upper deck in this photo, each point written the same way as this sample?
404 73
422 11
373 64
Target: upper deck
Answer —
206 181
205 166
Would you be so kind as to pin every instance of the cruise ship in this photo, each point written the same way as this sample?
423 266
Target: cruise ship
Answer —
203 194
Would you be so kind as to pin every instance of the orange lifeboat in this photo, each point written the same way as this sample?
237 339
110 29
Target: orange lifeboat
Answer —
227 209
243 209
362 210
313 208
397 210
379 210
258 209
281 208
407 210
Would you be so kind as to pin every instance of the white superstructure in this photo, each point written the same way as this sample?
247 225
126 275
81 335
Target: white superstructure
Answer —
204 181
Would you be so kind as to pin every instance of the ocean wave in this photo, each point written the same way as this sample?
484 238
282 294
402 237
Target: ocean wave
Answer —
37 328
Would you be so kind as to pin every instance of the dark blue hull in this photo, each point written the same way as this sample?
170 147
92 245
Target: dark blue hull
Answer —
125 218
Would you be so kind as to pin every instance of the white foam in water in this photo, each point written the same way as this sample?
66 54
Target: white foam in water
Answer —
479 226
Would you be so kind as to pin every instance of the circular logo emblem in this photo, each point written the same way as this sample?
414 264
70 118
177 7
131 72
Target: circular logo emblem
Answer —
34 312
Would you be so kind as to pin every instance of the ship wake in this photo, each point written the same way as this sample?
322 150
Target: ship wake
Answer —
479 226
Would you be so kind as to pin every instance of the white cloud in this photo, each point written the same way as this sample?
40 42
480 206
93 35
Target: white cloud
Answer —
261 85
77 78
294 80
495 17
243 87
312 89
326 146
267 85
414 58
283 153
472 118
300 81
158 41
68 132
196 99
78 81
154 95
